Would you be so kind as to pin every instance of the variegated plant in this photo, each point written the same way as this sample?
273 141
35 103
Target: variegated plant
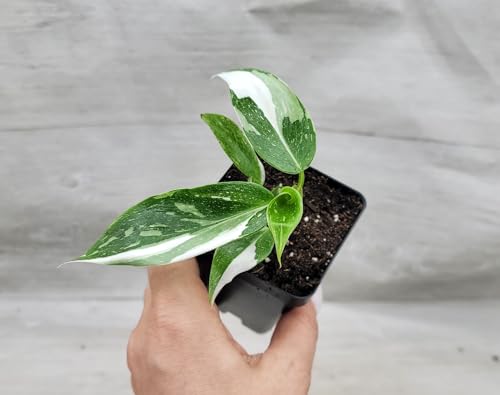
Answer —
241 221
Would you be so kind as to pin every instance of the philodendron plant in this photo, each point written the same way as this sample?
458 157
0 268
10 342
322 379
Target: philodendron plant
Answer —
241 221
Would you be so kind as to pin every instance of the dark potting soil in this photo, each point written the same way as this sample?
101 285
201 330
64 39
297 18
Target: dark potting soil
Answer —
330 211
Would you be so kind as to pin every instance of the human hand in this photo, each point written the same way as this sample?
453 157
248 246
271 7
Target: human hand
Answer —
180 346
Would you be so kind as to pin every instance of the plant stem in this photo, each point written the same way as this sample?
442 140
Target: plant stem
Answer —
300 184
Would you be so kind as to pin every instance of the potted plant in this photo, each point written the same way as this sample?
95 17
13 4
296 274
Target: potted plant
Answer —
266 234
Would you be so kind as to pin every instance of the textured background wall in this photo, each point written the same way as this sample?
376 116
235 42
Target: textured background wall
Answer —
99 104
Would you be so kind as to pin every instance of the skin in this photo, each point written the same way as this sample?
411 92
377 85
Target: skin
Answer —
180 345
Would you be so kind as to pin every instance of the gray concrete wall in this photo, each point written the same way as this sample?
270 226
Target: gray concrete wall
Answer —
99 105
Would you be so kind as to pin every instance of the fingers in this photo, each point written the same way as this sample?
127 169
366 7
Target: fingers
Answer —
177 298
177 312
177 283
294 340
173 276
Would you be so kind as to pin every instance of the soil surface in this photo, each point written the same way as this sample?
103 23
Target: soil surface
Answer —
330 211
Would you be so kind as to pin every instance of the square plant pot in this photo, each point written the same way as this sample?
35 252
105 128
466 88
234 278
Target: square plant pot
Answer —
262 294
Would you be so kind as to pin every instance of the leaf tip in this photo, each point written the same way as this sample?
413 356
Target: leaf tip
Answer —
279 255
63 264
76 260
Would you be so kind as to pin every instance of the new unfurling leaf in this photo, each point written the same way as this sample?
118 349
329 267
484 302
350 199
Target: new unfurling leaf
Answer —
283 215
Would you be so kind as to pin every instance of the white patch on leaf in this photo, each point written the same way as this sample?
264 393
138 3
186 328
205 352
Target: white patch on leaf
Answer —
246 84
155 249
112 238
149 233
226 198
197 221
166 246
188 208
219 240
129 231
242 263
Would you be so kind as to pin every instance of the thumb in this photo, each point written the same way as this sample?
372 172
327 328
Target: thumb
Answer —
294 340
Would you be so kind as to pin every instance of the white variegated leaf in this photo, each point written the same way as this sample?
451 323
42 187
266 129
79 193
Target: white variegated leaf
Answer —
273 118
181 224
237 257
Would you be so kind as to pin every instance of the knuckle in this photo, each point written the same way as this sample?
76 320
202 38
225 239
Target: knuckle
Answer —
144 351
158 362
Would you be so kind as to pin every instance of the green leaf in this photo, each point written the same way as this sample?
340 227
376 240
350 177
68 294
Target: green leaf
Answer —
237 257
273 118
283 215
236 145
181 224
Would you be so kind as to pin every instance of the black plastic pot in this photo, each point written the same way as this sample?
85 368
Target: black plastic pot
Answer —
260 303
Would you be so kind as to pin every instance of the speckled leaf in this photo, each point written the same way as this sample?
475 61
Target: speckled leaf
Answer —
237 257
181 224
236 145
283 215
273 118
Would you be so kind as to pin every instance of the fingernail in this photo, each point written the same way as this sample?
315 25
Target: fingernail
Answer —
317 299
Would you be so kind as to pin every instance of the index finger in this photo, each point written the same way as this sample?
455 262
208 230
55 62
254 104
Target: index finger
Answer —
178 300
177 284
